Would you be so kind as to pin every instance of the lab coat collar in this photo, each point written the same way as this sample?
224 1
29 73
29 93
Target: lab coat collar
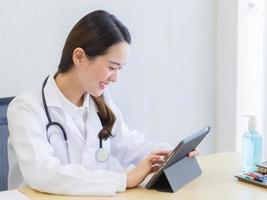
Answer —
52 95
71 108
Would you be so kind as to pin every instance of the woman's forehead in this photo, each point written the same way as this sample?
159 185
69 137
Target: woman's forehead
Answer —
118 53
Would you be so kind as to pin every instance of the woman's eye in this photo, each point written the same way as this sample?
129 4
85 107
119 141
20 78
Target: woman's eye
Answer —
111 68
114 69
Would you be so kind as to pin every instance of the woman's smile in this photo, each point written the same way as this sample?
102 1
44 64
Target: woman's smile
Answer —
103 85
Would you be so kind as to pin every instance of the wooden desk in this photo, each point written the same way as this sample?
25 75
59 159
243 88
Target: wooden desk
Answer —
216 182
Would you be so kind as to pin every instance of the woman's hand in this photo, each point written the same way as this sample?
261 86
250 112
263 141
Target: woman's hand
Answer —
149 165
193 153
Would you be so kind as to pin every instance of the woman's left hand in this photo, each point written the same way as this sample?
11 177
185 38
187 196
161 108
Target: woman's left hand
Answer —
193 153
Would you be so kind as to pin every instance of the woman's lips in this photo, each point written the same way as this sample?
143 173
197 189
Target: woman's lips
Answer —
103 85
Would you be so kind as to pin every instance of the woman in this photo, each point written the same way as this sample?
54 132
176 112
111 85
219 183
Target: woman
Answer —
69 137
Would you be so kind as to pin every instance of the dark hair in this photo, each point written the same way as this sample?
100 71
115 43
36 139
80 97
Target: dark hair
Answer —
95 33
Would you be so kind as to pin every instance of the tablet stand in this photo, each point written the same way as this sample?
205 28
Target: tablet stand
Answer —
177 175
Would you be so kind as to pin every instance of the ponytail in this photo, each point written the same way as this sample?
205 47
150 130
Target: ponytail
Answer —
106 116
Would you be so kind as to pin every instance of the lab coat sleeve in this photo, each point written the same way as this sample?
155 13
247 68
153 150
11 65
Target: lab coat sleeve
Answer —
44 172
130 147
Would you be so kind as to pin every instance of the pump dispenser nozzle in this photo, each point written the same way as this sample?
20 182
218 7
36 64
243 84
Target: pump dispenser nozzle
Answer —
252 122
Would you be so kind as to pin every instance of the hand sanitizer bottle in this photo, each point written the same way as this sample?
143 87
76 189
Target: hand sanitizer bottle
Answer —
252 146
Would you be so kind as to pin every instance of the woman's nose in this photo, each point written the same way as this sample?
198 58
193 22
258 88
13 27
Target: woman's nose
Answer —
114 76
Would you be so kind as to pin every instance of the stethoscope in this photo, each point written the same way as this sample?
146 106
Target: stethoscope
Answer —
101 155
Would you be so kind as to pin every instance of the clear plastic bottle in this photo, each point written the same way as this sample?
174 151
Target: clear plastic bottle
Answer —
252 146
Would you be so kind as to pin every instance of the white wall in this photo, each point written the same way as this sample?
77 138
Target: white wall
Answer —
226 73
167 88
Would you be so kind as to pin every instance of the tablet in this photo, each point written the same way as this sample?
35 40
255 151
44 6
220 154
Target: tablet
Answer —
181 150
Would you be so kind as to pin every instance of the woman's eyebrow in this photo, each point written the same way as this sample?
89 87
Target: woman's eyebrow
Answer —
116 63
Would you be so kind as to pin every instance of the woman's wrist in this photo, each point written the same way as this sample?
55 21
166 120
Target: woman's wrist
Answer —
130 180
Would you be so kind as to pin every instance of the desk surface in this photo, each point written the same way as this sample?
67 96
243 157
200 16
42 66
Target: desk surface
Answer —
216 182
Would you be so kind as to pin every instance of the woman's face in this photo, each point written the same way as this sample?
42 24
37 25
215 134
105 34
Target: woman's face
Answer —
96 74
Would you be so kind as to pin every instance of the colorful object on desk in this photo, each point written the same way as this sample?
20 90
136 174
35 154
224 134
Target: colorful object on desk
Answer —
249 179
262 168
256 177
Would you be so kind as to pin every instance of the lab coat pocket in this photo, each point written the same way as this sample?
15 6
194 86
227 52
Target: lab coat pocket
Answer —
56 140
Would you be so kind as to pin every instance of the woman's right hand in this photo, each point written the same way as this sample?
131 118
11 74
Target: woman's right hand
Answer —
149 165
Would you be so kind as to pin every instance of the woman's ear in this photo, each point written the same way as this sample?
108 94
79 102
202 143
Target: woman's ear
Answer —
78 56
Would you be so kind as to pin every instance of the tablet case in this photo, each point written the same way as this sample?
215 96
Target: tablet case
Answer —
177 175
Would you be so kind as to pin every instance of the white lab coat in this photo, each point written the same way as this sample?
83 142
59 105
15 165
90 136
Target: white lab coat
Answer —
44 166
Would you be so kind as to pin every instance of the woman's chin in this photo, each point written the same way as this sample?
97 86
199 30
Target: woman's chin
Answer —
97 93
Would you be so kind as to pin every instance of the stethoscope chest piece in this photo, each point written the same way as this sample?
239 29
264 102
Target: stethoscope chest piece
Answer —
101 155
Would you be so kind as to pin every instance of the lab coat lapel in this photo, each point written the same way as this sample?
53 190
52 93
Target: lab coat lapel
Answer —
53 102
93 126
93 123
50 94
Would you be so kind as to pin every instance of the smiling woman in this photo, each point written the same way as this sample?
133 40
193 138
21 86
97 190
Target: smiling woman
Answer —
69 137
